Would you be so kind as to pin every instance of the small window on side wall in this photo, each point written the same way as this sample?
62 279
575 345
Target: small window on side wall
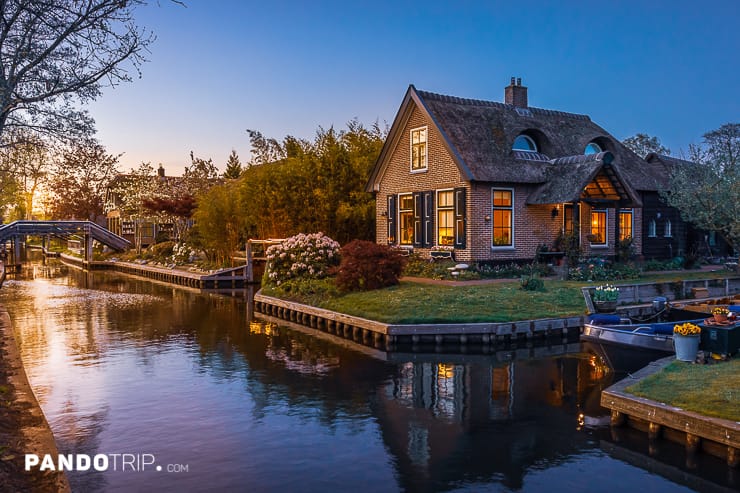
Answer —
668 229
652 229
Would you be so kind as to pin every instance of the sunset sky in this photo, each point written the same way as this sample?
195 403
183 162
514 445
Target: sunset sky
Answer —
218 68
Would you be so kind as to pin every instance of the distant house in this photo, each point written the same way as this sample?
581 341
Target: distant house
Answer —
495 181
143 228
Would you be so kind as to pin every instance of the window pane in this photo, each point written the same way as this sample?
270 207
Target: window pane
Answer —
524 143
444 199
502 198
625 224
598 227
406 226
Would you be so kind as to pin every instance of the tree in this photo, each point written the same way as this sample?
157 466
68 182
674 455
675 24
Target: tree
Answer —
220 222
55 54
80 180
643 144
707 191
233 167
199 176
29 162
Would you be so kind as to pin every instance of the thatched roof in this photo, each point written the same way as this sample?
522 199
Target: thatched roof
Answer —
480 134
664 166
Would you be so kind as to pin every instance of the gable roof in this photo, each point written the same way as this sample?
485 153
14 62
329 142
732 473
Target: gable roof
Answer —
590 178
479 136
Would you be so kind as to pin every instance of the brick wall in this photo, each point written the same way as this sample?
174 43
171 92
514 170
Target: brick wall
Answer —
533 224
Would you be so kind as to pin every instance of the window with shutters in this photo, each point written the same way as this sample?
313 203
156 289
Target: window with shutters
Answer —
503 218
406 219
445 218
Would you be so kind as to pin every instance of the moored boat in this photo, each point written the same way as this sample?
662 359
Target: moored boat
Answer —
611 329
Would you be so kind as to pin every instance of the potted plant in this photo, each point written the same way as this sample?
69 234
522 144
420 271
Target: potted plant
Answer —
720 314
605 298
686 339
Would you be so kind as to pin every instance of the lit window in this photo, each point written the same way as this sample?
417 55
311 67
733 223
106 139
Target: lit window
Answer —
598 227
667 230
445 218
419 149
524 143
406 219
592 148
625 224
652 229
503 214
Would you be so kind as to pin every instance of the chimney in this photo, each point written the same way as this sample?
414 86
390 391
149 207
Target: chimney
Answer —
160 171
515 93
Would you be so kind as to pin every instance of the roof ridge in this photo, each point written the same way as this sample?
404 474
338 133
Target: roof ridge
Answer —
496 104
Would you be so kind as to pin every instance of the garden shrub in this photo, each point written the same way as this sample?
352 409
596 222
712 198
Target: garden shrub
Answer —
598 269
366 265
532 283
159 251
303 256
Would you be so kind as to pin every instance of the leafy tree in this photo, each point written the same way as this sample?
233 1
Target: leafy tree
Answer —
220 223
80 180
643 144
233 167
28 161
55 54
198 177
707 191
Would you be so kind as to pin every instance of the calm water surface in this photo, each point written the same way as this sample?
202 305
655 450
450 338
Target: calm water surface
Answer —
127 366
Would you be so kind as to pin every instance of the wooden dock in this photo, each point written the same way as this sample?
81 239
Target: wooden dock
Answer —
719 437
389 336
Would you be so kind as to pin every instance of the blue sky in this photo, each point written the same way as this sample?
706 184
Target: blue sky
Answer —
220 67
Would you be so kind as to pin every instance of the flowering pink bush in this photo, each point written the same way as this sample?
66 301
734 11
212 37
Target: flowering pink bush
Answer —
301 256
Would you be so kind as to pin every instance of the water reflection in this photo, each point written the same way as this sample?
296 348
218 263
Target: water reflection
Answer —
128 366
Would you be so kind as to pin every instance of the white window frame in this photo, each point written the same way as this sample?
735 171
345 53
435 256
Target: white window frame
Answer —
513 219
668 229
605 244
652 229
398 221
447 208
632 220
425 167
528 139
597 146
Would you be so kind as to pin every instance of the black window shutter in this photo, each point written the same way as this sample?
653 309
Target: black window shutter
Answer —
392 220
460 217
418 223
428 219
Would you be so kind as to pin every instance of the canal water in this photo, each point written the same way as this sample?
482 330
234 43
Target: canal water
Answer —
185 380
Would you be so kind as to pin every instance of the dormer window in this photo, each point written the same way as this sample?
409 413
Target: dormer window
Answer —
419 149
592 148
524 143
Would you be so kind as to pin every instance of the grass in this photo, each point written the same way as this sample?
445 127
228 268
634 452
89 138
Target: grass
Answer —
497 302
711 390
419 303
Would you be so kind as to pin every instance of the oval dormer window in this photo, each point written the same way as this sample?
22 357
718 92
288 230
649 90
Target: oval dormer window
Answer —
592 148
524 143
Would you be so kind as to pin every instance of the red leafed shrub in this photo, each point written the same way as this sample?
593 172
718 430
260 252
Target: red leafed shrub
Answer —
366 265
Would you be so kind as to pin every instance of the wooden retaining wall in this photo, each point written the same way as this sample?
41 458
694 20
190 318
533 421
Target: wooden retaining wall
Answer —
719 437
390 336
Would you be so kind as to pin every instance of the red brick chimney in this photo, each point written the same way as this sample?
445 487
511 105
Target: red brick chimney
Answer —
160 171
516 94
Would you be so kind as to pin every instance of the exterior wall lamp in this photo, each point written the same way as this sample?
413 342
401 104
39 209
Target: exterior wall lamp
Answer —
384 213
487 218
554 212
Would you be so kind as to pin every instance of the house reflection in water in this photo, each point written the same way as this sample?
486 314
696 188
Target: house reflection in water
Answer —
447 423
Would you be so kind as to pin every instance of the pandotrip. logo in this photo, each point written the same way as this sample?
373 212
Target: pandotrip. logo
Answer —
100 463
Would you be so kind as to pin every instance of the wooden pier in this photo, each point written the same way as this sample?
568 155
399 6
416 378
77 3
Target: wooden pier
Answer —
719 437
390 336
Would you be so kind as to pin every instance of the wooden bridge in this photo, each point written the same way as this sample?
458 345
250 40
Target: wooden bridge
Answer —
86 230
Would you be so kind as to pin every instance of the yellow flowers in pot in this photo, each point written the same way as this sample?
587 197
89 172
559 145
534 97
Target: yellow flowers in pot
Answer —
687 329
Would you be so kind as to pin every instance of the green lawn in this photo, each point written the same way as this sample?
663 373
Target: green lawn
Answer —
420 303
711 390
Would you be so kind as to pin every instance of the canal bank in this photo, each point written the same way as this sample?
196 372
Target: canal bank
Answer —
23 426
715 436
